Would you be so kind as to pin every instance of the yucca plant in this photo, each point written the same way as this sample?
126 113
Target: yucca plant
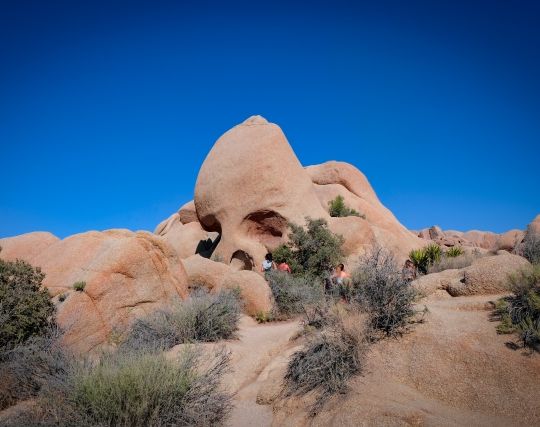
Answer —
420 260
433 253
454 252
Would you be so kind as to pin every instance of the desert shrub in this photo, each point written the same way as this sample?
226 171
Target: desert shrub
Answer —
27 367
520 312
460 261
79 286
293 293
328 361
338 208
201 318
140 388
423 258
25 309
453 252
313 251
530 247
380 290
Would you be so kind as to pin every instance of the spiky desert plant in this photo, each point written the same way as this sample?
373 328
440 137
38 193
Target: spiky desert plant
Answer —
420 260
454 251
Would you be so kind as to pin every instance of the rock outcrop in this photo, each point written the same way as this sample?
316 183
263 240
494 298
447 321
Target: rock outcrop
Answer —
477 239
216 276
486 275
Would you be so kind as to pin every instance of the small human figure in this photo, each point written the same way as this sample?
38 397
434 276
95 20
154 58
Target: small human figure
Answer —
340 275
408 272
268 264
283 266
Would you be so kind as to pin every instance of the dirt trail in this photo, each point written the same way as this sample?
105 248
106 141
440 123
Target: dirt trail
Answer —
260 350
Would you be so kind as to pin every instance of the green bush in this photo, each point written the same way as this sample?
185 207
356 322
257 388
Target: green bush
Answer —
382 292
201 318
328 361
423 258
338 208
313 251
135 389
293 293
454 251
79 286
25 308
520 312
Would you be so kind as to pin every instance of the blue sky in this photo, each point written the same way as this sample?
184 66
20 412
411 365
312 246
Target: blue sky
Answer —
107 109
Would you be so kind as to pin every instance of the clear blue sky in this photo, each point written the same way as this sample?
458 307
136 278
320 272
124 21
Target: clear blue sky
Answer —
107 109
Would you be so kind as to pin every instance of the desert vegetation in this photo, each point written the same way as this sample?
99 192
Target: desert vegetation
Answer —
380 291
133 385
432 259
201 318
520 312
530 248
327 361
338 208
26 309
339 328
311 251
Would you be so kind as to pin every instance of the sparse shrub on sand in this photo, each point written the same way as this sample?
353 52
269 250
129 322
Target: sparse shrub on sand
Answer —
201 318
338 208
140 388
313 251
381 291
520 312
328 361
292 294
26 309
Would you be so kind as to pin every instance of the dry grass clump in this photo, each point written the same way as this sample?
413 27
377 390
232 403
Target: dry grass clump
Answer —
328 361
293 294
130 388
381 291
455 262
520 312
201 318
26 368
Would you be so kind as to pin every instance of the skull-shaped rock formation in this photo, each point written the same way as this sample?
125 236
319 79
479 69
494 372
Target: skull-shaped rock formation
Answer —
250 185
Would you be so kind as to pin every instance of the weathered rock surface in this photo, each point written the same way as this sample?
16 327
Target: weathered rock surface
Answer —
26 246
486 275
215 276
480 239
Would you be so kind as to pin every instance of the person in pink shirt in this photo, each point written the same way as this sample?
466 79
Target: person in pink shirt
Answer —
283 266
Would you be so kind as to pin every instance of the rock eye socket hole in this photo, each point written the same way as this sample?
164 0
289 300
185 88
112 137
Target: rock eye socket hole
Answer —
241 260
266 226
